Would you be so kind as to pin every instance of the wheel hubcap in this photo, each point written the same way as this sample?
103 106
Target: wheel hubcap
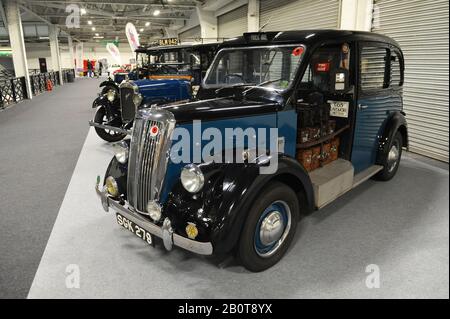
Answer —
393 156
272 228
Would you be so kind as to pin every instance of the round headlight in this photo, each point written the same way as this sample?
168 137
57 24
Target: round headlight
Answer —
111 95
111 186
122 152
192 178
154 210
137 99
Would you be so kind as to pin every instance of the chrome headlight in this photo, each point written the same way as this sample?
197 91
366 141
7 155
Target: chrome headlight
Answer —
192 178
137 99
121 152
111 95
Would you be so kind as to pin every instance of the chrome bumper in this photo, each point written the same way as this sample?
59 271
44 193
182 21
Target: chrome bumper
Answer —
109 127
165 232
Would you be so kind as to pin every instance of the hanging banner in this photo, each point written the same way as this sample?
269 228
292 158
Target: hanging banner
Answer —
132 36
79 56
114 51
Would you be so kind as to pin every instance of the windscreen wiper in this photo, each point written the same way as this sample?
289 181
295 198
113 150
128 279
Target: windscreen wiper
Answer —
230 87
259 85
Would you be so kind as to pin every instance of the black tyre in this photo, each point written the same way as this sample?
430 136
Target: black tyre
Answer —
391 161
269 228
107 135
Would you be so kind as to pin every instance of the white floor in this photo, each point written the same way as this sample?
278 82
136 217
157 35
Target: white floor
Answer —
400 226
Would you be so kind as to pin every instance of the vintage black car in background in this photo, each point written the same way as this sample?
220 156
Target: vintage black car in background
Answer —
335 101
172 73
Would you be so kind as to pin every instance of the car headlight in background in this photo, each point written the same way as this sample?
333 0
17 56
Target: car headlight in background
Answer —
121 152
111 186
137 99
192 178
111 95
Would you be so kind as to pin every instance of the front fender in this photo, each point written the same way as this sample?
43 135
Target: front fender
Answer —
396 122
109 82
220 210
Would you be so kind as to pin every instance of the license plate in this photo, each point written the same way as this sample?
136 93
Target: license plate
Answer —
134 228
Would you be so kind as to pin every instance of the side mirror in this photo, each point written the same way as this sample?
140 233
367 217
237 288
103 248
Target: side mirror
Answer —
339 81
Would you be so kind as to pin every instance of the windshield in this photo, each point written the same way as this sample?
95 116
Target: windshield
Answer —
269 66
177 60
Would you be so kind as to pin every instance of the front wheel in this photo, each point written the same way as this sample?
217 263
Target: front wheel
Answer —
107 135
269 228
391 161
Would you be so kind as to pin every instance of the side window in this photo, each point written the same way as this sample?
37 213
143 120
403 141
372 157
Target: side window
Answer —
373 67
323 62
396 73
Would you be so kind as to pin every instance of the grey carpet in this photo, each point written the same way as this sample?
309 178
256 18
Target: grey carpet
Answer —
40 141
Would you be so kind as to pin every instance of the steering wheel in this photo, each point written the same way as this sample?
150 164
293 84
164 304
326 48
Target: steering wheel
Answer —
238 78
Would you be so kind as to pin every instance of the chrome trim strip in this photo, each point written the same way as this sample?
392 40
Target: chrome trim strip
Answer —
108 127
201 248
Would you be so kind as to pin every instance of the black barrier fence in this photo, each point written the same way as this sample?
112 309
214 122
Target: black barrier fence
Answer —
14 90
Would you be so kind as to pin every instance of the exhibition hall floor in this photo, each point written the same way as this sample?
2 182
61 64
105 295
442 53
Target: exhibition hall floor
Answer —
401 227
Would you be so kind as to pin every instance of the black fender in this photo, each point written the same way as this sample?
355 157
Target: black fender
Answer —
101 100
109 82
120 172
220 209
396 122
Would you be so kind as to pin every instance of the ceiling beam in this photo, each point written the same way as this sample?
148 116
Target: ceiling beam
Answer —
139 3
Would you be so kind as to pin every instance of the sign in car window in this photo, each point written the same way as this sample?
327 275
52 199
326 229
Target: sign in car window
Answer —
339 108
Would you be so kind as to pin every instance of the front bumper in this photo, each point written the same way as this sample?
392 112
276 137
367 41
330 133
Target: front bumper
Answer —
165 232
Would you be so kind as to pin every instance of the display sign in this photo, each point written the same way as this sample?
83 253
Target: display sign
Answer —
168 41
339 108
132 36
114 51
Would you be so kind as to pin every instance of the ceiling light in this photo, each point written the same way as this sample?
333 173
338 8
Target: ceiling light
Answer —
83 11
93 28
96 34
141 30
89 22
156 12
147 24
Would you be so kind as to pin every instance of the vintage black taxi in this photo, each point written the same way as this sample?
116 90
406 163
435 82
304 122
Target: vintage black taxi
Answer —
333 101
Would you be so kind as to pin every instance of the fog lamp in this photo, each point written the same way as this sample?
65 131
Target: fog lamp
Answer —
192 178
191 230
111 186
154 210
121 152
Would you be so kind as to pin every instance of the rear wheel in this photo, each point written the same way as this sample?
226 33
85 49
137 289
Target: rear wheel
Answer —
391 161
107 135
269 228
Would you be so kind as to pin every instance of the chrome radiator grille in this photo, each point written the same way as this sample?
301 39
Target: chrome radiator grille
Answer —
148 158
126 103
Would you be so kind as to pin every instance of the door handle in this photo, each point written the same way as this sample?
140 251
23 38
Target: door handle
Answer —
362 107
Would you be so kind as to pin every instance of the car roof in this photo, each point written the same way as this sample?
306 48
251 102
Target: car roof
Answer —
308 37
177 47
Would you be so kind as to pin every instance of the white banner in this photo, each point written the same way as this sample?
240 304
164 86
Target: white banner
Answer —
114 51
132 36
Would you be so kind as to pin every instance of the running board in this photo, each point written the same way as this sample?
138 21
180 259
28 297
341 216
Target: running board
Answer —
111 128
366 174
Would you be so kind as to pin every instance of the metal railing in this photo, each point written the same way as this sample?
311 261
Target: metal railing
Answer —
12 91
